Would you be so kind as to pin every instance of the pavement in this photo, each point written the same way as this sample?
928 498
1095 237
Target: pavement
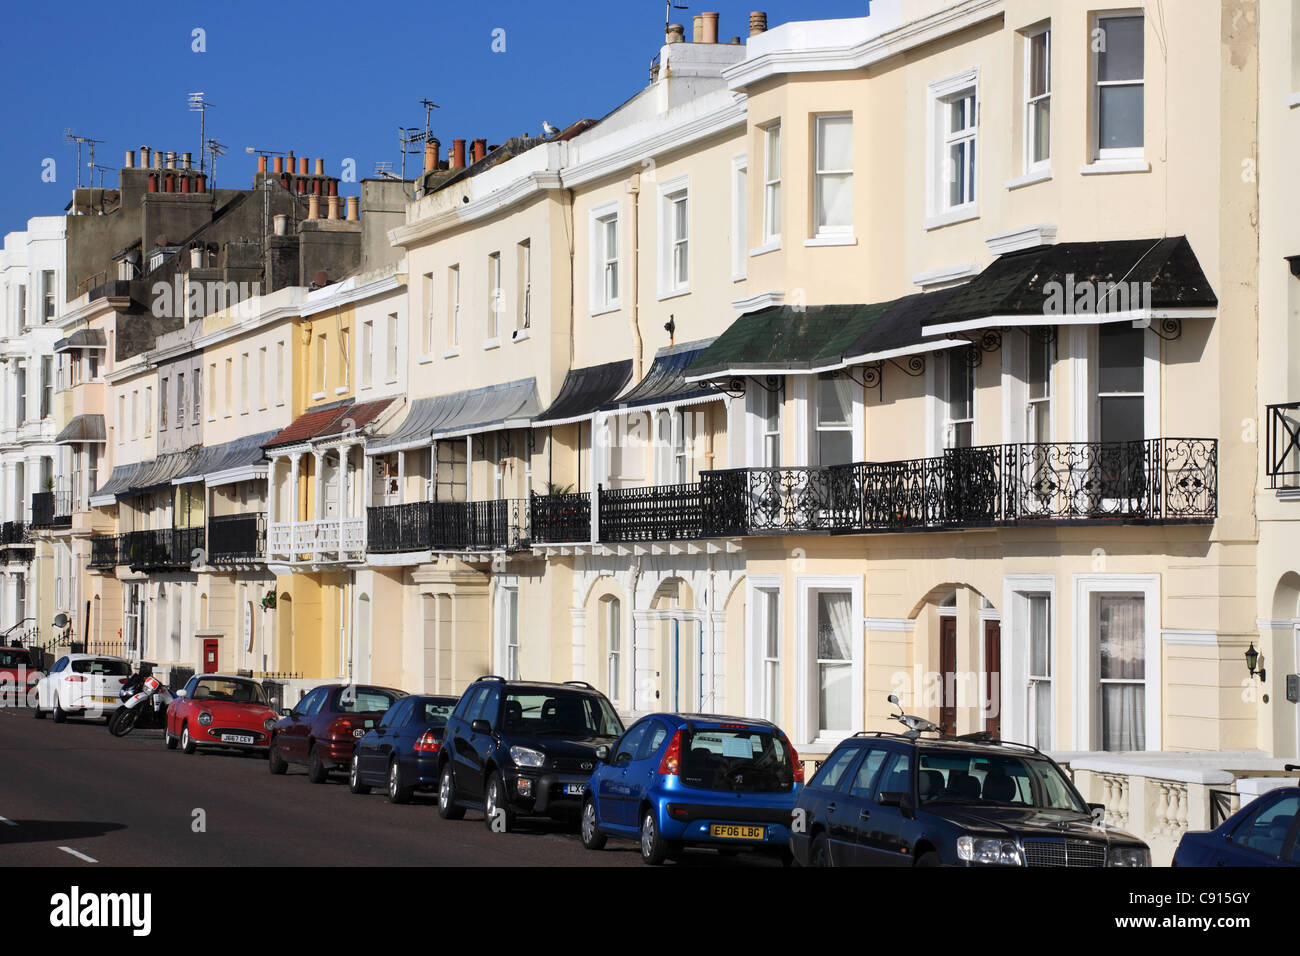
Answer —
72 795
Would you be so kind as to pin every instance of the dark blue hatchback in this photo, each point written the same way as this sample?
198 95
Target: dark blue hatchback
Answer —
401 753
678 780
1265 832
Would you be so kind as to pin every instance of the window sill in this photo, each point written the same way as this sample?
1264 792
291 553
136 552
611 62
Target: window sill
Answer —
244 411
317 396
1029 179
366 387
1106 167
424 359
489 344
226 415
390 381
604 310
341 390
831 241
951 217
451 353
1292 100
519 335
765 248
212 418
665 296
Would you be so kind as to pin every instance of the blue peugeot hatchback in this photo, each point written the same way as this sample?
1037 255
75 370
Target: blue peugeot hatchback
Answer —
678 780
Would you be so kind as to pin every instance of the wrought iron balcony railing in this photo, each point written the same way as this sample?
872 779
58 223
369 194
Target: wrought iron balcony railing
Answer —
651 513
235 539
501 524
103 550
561 518
13 532
1282 445
52 509
159 549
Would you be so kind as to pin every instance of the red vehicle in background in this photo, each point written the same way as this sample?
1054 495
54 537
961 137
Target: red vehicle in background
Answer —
322 729
19 671
214 710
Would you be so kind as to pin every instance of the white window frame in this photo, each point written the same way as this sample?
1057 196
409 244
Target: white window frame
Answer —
948 424
453 311
611 610
428 313
1121 154
756 587
495 299
261 378
506 585
1016 679
672 192
807 587
1036 407
394 352
1087 706
772 211
524 250
853 428
820 175
940 95
603 259
739 217
244 384
1032 166
367 356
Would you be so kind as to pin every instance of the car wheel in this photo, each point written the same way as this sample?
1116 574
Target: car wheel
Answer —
592 838
819 854
168 740
60 715
398 791
447 808
36 710
316 771
929 859
187 742
354 778
497 812
654 848
274 762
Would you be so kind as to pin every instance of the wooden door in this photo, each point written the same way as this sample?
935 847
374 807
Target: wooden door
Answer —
993 678
948 668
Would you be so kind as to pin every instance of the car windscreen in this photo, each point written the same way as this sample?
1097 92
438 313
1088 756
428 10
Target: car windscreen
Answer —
994 780
236 691
13 657
101 667
559 713
739 760
365 700
434 713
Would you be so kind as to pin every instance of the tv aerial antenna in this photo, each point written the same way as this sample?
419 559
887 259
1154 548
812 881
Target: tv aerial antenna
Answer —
215 149
71 137
669 7
199 104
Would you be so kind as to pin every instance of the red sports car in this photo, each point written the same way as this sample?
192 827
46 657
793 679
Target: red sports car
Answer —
214 710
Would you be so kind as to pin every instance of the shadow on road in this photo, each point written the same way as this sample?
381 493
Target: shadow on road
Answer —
48 831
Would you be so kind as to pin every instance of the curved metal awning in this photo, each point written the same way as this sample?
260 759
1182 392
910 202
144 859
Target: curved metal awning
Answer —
83 339
82 428
241 454
510 405
121 477
665 383
159 472
584 391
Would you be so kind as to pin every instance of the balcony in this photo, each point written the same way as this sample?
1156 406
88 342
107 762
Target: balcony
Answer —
497 525
160 549
1282 446
328 540
52 509
237 539
1162 480
12 532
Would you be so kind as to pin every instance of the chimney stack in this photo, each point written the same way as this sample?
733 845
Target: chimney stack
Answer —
201 183
130 159
480 149
757 23
196 258
185 184
320 166
353 211
144 157
187 160
169 183
261 165
157 159
430 155
676 33
333 206
280 222
302 165
313 206
457 154
697 28
153 182
710 27
277 164
171 159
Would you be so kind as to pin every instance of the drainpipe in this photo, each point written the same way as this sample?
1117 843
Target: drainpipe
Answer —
634 188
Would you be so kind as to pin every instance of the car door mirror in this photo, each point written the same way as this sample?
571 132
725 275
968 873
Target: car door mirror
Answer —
602 753
181 692
287 712
897 798
481 726
623 758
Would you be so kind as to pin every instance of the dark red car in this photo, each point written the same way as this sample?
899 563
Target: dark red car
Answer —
322 729
214 710
19 672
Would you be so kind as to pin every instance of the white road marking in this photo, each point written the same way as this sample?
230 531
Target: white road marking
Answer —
7 822
79 856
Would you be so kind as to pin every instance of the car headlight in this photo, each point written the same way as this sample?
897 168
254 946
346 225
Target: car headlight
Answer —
994 851
1128 856
269 723
205 718
527 757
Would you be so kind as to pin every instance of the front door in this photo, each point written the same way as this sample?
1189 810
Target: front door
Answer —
948 668
993 678
210 655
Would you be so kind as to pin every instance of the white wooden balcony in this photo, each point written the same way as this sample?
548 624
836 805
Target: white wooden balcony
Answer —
328 540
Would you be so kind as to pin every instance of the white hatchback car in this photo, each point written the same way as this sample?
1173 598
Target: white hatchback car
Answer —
82 685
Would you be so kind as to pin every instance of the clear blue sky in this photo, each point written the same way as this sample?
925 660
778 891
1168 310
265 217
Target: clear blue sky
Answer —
325 78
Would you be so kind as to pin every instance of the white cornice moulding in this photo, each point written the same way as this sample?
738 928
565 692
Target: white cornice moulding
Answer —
901 625
932 278
1187 638
762 300
1027 237
495 201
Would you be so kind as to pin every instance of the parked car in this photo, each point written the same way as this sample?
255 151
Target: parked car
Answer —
678 780
19 669
322 729
1265 832
218 711
516 748
885 799
401 753
86 685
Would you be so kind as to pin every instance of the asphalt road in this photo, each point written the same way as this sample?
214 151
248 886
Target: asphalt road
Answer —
72 795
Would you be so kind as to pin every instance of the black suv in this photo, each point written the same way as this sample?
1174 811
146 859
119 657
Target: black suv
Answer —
522 747
885 799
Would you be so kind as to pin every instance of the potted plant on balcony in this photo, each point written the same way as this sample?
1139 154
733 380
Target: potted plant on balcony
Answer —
268 601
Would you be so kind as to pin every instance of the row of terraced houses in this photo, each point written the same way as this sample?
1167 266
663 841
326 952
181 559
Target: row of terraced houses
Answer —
947 352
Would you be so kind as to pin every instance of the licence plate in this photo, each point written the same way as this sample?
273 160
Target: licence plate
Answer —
575 789
236 739
105 700
731 831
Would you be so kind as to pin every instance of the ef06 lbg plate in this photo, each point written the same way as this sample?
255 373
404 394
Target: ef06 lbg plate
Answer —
733 831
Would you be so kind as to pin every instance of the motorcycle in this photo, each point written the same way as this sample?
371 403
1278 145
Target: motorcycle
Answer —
144 704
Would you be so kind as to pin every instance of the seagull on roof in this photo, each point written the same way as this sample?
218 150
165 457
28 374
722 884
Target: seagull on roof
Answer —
548 130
